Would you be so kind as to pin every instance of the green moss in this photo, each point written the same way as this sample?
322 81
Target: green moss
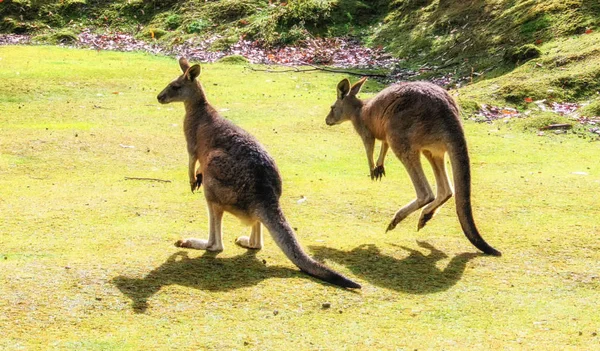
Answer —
568 71
532 27
523 53
231 10
197 26
173 21
578 85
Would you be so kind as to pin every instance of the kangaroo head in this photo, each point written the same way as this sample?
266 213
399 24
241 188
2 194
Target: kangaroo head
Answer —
347 104
184 87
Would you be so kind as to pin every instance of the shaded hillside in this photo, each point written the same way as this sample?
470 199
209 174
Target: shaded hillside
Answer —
273 22
438 32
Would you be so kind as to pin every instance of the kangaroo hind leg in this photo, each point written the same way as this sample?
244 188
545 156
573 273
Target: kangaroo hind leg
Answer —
255 240
412 163
444 189
215 236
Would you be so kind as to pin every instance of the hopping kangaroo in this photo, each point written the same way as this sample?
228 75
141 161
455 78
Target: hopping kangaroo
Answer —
414 118
239 177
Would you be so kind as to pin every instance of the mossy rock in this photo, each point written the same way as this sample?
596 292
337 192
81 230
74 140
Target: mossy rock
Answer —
542 121
523 53
592 109
11 25
153 33
223 44
468 106
65 37
60 37
234 60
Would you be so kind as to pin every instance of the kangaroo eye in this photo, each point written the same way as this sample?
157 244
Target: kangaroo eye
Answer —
175 87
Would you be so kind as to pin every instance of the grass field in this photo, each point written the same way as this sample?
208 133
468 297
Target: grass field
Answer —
87 259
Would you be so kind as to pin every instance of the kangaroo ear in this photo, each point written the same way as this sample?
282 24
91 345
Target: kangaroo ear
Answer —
184 64
343 88
193 72
356 87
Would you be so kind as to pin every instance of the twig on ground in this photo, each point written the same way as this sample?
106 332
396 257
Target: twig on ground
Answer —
362 74
293 69
148 179
318 68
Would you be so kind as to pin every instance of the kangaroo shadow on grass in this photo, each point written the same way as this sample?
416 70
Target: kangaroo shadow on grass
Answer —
205 272
417 273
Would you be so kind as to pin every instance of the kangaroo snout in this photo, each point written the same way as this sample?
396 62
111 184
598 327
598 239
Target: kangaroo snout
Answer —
162 98
330 121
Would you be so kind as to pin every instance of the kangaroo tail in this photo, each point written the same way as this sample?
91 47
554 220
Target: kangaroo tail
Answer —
283 235
459 158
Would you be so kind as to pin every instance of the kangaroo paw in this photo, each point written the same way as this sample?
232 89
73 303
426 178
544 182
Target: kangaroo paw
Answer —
378 172
196 183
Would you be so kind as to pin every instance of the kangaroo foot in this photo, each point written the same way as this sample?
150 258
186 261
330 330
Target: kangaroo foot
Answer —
244 241
425 217
397 219
198 244
392 225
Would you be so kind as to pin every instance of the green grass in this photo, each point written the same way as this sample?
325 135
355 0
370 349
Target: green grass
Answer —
88 261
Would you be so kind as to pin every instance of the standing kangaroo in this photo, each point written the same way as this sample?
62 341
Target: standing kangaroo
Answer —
414 118
239 177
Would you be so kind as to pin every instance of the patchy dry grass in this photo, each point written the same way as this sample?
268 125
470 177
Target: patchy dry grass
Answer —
88 263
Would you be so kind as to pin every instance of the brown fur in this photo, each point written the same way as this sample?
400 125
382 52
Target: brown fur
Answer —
238 175
413 119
